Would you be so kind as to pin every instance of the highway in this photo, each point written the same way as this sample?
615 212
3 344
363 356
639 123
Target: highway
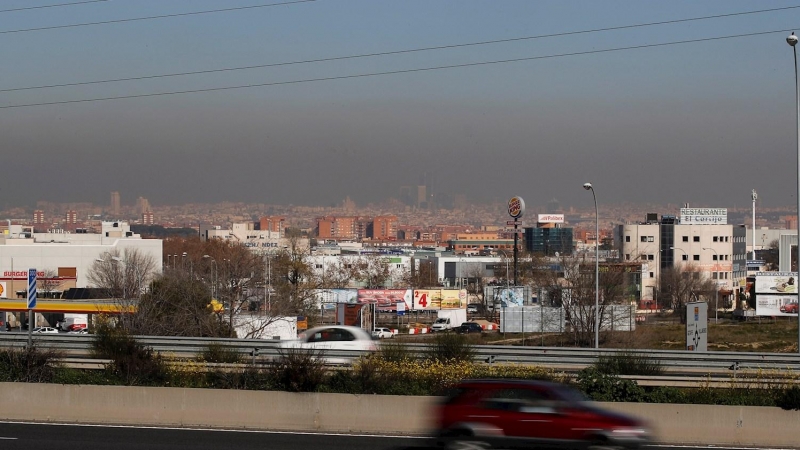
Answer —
26 436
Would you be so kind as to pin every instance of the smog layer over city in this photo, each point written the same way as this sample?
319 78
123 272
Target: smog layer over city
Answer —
314 102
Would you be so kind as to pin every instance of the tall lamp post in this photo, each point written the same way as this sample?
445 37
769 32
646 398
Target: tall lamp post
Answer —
213 273
684 252
716 287
589 187
792 40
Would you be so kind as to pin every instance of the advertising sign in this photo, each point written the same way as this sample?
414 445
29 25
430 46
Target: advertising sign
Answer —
3 290
551 218
506 296
697 326
776 305
385 299
435 299
516 207
704 216
337 295
349 314
776 283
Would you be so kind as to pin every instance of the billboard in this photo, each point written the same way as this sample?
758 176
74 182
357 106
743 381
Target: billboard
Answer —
704 216
550 218
385 299
435 299
506 296
337 295
776 283
776 305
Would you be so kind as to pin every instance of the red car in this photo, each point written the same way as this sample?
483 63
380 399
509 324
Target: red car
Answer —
789 308
521 413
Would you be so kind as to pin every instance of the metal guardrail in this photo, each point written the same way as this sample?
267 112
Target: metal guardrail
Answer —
677 365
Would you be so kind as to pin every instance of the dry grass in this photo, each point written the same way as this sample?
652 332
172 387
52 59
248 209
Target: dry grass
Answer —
667 333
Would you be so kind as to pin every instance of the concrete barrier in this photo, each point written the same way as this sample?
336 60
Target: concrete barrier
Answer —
345 413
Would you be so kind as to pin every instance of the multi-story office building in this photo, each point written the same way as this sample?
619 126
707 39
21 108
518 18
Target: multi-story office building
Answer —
700 239
549 241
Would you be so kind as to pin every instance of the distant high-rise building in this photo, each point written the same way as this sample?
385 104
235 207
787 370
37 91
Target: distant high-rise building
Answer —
553 206
71 217
147 218
142 205
115 204
348 204
38 217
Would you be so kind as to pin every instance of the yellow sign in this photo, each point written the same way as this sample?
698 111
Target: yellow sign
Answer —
216 306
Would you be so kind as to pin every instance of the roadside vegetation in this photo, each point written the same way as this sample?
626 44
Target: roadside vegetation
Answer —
393 370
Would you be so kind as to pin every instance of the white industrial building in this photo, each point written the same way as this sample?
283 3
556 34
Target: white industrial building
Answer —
67 255
699 237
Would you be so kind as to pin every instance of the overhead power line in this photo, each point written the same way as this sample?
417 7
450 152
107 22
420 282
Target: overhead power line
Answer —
58 5
394 72
388 53
163 16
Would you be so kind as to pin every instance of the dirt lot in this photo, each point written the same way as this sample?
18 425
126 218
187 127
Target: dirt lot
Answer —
667 333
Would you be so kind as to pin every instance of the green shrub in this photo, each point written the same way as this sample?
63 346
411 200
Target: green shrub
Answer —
450 347
29 364
299 370
604 387
628 363
131 363
218 353
395 352
789 399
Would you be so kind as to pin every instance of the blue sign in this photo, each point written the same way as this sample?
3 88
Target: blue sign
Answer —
31 288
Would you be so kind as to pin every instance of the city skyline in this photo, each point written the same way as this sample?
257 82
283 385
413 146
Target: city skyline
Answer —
673 103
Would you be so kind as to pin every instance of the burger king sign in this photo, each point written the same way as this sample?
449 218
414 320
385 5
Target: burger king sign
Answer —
516 207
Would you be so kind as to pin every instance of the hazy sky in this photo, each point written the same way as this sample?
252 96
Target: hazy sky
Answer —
701 122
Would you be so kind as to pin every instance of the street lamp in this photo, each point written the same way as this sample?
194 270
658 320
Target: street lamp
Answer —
684 252
792 40
214 273
589 187
716 288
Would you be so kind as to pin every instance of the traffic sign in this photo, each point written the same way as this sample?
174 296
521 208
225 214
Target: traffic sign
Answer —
31 288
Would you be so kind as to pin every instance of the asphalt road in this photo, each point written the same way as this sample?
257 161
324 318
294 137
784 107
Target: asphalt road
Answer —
19 436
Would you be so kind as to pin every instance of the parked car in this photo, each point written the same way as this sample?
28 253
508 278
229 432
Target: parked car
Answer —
524 413
79 331
382 333
333 337
470 327
789 308
48 330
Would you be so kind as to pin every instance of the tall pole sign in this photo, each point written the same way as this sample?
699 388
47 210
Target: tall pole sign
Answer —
516 209
31 304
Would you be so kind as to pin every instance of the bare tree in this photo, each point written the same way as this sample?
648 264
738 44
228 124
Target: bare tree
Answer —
683 284
421 274
372 270
122 274
294 281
